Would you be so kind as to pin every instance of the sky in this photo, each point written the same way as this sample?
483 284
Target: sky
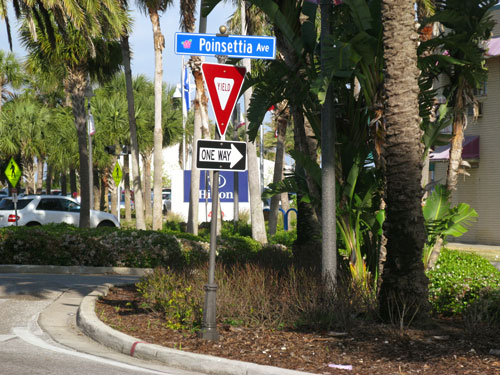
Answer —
141 40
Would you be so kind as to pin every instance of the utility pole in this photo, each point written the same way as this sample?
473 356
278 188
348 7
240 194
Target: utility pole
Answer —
328 212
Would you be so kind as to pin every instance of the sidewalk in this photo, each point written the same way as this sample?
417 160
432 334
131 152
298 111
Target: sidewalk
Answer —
491 252
71 321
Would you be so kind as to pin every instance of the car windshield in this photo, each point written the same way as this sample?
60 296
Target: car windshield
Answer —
8 204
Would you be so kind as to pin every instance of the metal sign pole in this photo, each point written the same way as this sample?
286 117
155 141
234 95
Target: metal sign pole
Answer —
14 199
209 324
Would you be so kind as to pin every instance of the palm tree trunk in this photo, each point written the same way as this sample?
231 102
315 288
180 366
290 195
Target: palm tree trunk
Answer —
72 180
39 176
136 173
456 143
48 179
403 293
97 190
126 179
146 159
281 123
194 197
78 83
64 184
159 44
256 209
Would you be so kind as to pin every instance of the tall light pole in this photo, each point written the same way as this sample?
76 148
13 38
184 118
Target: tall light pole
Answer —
89 93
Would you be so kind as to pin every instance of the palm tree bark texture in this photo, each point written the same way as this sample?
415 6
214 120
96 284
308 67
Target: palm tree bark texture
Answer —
77 84
404 290
159 44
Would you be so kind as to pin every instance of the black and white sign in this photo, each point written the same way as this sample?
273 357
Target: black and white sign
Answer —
221 155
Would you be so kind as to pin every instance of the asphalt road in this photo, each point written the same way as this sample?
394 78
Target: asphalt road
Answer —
29 302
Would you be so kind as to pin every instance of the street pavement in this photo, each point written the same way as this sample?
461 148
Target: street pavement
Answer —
48 326
38 333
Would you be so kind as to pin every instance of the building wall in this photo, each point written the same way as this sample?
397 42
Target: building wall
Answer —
482 188
496 16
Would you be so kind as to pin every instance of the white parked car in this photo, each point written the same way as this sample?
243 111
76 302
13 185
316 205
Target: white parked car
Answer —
44 209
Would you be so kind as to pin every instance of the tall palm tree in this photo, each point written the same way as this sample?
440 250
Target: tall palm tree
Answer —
79 50
136 173
403 293
10 74
154 8
200 110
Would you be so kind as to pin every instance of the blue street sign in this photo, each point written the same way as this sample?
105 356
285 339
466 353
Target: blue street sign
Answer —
245 46
226 186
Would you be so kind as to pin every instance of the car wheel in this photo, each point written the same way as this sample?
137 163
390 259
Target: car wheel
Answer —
106 224
33 224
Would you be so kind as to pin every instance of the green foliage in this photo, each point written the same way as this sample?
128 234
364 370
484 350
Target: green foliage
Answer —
442 220
66 245
461 281
171 294
283 237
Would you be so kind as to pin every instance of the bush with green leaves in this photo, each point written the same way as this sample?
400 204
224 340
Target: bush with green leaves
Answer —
66 245
172 294
461 280
284 237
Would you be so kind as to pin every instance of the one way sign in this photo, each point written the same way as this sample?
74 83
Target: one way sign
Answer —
221 155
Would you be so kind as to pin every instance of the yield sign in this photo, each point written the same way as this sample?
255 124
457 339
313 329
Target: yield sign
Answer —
224 84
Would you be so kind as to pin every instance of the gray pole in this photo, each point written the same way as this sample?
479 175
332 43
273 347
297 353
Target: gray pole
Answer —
236 178
328 215
209 323
183 116
91 169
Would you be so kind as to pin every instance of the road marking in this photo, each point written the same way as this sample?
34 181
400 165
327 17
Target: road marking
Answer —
6 337
25 335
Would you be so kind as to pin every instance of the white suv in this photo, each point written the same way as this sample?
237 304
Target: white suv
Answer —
44 209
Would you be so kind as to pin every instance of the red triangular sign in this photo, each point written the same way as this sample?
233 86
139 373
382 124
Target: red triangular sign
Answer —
224 84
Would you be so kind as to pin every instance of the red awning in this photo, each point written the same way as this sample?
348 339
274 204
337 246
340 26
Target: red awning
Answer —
470 150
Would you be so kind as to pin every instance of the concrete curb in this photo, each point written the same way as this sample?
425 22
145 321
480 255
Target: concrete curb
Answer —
81 270
88 322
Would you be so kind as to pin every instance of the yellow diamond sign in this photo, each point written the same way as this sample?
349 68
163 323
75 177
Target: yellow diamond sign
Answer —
12 172
117 174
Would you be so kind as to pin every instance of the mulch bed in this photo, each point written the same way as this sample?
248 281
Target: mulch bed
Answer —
442 348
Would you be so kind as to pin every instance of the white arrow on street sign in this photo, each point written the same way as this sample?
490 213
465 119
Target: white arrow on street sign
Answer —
221 155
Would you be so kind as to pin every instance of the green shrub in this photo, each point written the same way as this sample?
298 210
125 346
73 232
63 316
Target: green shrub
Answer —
459 280
237 249
172 295
283 237
66 245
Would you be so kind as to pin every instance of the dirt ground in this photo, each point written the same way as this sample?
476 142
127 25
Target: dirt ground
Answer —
443 347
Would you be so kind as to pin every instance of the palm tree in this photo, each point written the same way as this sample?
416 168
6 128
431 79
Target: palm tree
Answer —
136 173
21 133
403 293
10 74
153 8
79 50
282 120
459 71
200 110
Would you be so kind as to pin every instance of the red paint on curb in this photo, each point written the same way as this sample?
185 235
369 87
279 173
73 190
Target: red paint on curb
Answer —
132 349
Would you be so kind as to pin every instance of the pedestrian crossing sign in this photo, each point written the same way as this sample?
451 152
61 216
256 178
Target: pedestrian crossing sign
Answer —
12 172
117 174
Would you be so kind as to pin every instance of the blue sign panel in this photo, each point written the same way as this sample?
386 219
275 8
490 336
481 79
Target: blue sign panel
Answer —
245 46
226 186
